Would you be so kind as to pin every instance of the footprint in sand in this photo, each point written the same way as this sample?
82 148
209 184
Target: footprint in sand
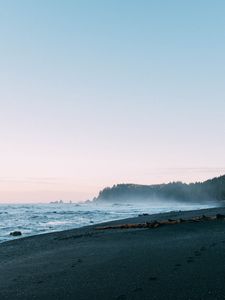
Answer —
74 264
197 253
190 259
153 278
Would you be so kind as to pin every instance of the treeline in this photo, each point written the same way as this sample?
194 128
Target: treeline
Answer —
213 189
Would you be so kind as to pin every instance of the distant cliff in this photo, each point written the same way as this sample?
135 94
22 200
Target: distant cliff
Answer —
213 189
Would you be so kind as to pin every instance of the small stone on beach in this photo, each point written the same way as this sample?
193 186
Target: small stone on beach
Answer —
16 233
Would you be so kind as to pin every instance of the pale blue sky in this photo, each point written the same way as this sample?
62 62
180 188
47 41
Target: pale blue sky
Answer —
94 93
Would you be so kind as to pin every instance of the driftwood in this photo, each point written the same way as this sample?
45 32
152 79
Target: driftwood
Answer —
156 224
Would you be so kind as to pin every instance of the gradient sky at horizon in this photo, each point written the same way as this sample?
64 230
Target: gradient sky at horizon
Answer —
95 93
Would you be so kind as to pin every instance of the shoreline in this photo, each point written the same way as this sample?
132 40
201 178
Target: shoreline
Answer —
85 263
32 221
145 217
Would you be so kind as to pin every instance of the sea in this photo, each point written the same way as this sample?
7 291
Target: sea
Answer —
33 219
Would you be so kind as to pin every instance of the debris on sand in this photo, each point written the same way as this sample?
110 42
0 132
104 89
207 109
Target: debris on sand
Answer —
156 224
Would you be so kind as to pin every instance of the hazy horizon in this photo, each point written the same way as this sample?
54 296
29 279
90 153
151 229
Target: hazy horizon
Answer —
95 93
68 196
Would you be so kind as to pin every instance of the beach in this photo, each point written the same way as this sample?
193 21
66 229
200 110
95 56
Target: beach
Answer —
181 261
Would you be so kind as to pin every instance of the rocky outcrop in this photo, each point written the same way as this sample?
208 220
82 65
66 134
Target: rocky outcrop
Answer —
15 233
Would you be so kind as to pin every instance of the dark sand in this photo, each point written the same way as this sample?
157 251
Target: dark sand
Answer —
183 261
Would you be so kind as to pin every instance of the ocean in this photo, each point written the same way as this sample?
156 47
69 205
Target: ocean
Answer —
33 219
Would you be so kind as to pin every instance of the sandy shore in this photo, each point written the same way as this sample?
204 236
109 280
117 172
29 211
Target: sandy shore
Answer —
183 261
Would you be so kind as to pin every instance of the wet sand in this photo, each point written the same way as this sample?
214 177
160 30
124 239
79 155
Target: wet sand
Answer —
182 261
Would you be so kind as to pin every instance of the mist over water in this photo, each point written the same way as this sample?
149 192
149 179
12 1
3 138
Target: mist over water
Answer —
32 219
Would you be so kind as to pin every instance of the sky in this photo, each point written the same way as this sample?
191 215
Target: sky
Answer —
99 92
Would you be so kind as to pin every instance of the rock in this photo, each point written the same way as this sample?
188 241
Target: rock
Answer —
181 220
143 215
220 217
16 233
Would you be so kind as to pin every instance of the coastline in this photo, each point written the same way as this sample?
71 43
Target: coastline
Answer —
183 261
